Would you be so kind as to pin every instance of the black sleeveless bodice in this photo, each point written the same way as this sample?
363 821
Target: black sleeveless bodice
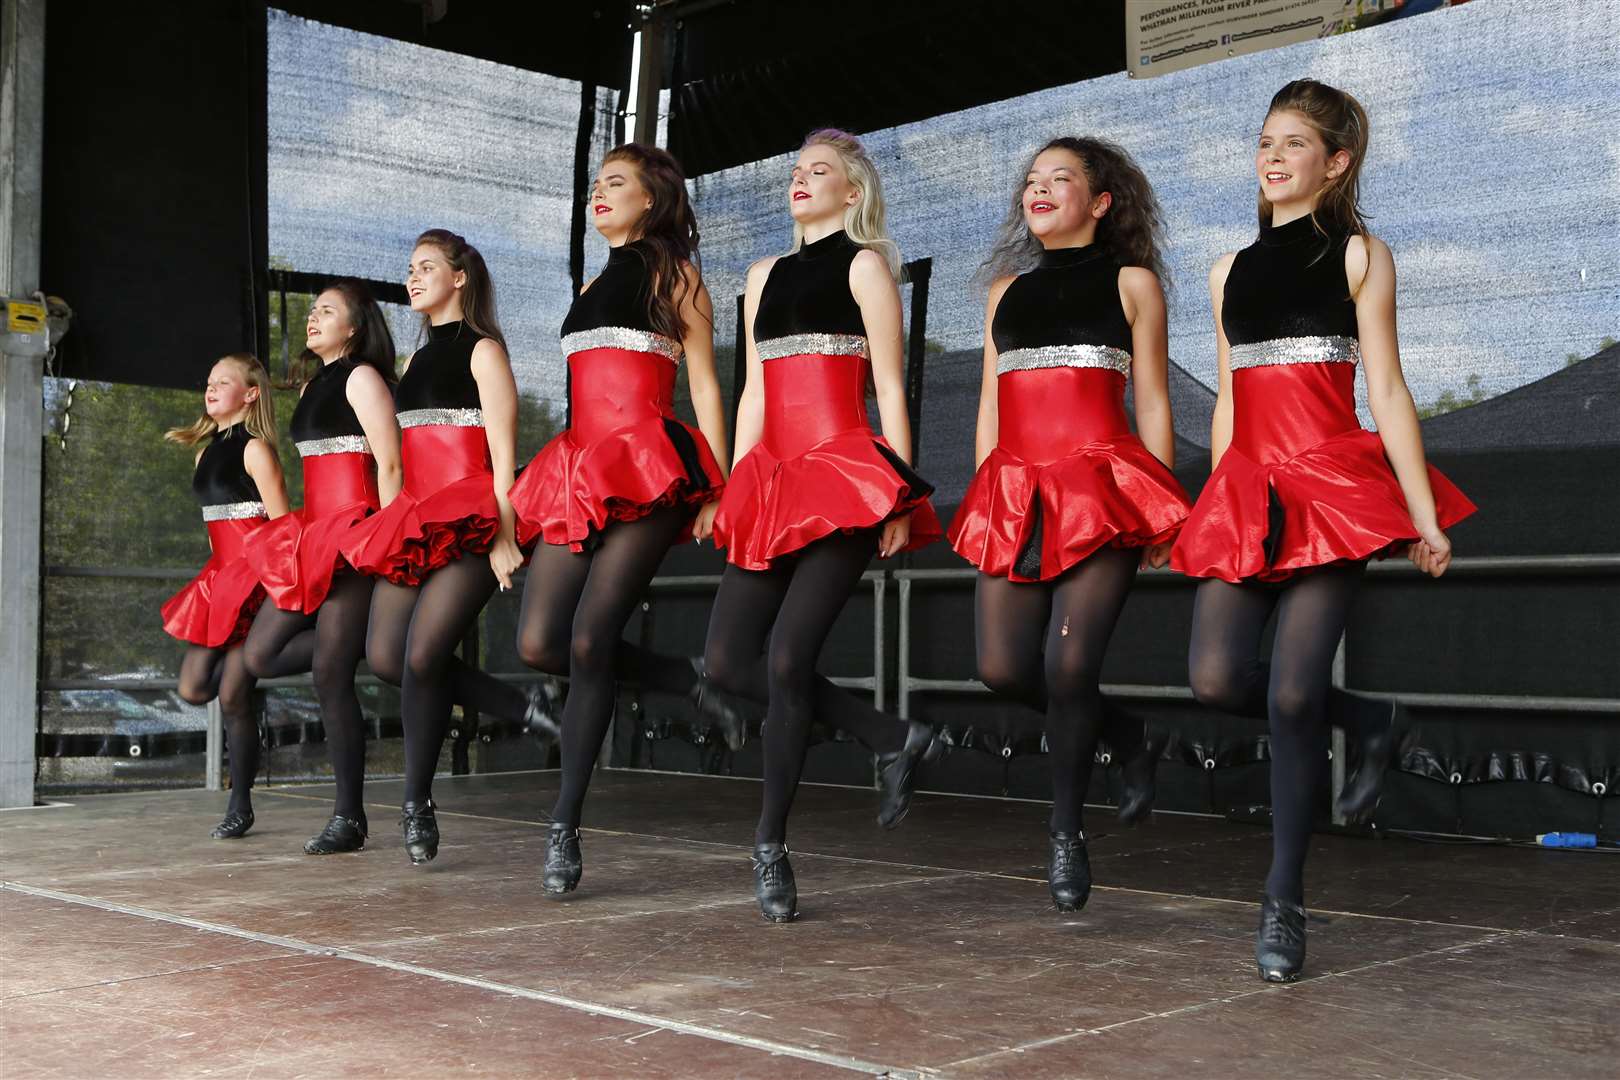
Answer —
1064 313
806 305
221 478
613 314
323 410
440 374
1287 299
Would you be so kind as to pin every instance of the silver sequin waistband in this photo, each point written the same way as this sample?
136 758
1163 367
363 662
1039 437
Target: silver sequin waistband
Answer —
621 337
441 418
1064 356
813 345
337 444
1295 350
233 511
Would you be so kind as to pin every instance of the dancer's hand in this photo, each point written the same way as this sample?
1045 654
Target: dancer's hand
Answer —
703 526
895 535
505 559
1431 553
1156 556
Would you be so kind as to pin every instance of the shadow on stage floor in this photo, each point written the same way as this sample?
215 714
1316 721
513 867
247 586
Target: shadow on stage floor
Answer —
133 945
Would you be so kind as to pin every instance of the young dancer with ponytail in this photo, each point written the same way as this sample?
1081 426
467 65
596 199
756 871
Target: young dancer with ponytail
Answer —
348 442
238 483
1301 496
448 540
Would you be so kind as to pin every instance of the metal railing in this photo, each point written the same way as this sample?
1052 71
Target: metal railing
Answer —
906 684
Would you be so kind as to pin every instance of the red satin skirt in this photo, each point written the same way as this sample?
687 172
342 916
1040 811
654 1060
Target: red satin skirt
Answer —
446 510
216 607
1302 484
818 469
297 555
624 454
1066 478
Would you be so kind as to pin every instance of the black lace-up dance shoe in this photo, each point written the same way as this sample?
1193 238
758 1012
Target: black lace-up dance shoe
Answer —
1279 945
421 828
341 834
774 887
1069 872
1137 752
564 860
1380 735
233 826
543 717
718 707
897 772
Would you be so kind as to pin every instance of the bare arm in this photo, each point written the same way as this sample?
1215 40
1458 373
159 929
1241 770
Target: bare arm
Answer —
262 465
1220 426
497 397
374 407
1143 300
701 378
751 403
1370 268
879 300
697 310
988 430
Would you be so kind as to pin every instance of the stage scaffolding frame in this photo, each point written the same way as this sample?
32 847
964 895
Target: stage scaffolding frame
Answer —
904 684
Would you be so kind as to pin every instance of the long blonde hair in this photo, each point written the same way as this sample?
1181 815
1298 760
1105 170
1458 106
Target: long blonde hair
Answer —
261 411
866 222
1341 123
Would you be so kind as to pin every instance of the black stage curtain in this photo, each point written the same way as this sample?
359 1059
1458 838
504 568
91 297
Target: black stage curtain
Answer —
154 224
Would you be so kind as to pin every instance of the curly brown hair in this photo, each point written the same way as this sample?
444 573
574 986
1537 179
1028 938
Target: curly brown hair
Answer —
1132 230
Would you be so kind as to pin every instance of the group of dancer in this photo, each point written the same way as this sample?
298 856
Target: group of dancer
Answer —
414 513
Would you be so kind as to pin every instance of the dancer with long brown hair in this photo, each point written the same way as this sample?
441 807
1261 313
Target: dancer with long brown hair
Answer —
606 498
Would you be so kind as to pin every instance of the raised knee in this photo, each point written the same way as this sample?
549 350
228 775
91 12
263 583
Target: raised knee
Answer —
258 659
1216 687
789 669
423 667
1001 677
1072 676
386 665
1293 703
589 652
193 694
542 655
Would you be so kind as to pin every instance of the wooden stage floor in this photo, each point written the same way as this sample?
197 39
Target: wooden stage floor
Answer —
133 945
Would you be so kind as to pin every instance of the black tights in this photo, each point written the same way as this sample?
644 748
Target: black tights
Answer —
765 635
1042 644
411 643
575 606
1292 689
209 673
330 644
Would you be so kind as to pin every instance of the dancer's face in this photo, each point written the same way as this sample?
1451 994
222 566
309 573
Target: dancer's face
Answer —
619 202
820 189
228 394
1060 208
329 328
431 282
1292 162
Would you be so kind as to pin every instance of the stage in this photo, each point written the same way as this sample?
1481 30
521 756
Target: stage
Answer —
136 946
